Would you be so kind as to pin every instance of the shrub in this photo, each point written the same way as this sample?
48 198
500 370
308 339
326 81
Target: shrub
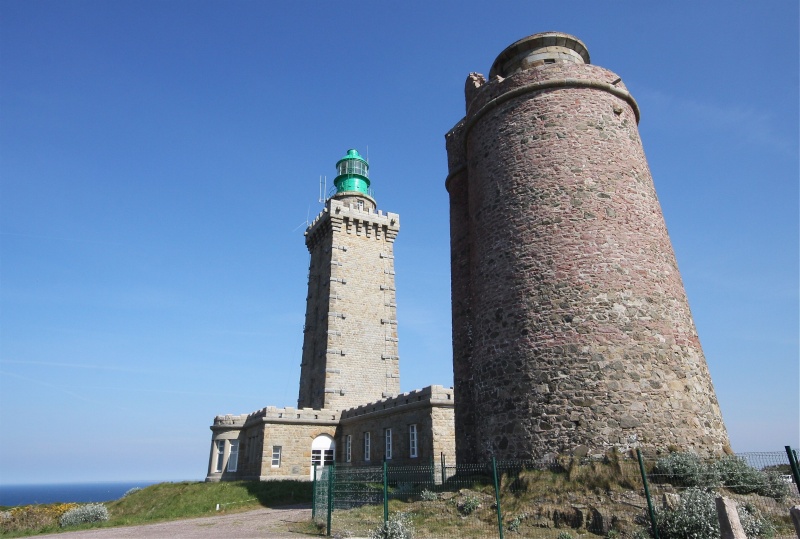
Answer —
774 486
564 535
399 526
92 512
131 491
753 523
469 504
428 496
737 476
686 469
33 518
696 517
514 524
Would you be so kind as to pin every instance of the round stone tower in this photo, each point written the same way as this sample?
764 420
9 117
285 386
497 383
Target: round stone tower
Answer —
571 328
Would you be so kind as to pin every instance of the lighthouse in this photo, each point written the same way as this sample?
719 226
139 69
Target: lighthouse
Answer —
350 339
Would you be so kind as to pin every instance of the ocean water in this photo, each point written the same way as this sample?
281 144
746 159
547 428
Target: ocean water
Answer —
66 492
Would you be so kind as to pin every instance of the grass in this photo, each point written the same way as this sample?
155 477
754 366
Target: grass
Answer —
165 501
578 497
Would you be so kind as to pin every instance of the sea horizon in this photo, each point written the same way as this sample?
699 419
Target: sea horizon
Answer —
71 492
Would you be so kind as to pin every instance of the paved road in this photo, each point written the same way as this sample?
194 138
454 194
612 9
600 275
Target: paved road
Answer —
260 523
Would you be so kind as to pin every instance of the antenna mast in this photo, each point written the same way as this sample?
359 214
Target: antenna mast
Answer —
323 188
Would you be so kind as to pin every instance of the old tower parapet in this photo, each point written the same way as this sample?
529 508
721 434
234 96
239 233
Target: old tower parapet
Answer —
571 327
350 336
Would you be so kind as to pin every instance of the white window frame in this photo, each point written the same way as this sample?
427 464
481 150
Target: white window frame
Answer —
367 447
219 456
412 441
348 448
387 436
233 456
276 450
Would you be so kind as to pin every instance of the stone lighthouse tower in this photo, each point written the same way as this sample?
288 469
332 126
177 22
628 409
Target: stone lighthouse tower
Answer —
350 335
571 328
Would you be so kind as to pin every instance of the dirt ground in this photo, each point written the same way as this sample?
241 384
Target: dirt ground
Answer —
260 523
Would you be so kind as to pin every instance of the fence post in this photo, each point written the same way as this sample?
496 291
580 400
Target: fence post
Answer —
444 473
314 494
330 496
647 494
497 497
793 465
385 491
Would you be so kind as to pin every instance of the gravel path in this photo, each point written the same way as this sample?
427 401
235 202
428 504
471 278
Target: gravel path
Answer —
260 523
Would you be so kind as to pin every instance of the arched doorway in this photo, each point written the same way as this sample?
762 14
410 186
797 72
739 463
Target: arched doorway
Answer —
323 451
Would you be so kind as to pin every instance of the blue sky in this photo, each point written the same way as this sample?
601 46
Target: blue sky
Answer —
158 162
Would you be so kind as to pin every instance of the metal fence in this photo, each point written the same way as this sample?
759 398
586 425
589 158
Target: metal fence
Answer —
618 496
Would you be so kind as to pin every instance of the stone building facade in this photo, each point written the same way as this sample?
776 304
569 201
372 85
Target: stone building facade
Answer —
350 409
571 328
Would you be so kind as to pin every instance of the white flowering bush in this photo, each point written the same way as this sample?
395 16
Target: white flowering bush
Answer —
696 518
428 496
399 526
753 523
131 491
91 512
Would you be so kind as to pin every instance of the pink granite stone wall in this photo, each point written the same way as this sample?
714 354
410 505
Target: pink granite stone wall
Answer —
573 332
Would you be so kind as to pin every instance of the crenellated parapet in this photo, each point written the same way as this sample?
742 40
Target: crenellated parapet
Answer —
344 216
273 414
432 395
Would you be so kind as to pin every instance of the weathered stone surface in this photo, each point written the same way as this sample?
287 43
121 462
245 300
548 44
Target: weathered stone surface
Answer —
729 525
570 321
350 334
794 512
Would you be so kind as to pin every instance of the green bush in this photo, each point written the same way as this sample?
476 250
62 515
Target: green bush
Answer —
774 486
735 475
730 471
564 535
92 512
514 524
468 505
685 469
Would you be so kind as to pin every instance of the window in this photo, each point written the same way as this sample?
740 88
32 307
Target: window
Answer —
348 447
233 459
321 457
220 455
323 451
412 441
366 446
276 456
387 433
